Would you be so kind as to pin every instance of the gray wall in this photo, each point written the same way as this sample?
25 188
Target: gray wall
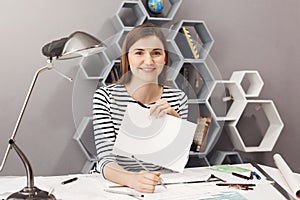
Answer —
259 35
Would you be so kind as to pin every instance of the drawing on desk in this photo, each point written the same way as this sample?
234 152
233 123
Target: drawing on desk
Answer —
229 169
225 195
163 141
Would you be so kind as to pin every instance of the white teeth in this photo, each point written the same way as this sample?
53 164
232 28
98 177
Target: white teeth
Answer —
147 69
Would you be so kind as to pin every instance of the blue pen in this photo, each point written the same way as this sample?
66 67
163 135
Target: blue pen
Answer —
256 175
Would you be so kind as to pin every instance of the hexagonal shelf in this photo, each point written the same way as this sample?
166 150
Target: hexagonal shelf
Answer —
85 138
170 9
195 79
119 41
226 100
250 81
114 74
176 60
129 15
225 157
201 159
272 133
82 96
214 131
95 66
113 50
192 38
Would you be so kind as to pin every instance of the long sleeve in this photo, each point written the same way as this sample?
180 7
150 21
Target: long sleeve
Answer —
104 132
183 107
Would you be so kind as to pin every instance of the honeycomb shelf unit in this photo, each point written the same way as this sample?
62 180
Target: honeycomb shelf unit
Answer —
129 15
90 66
196 74
170 9
269 135
250 81
192 38
226 100
195 79
86 141
225 157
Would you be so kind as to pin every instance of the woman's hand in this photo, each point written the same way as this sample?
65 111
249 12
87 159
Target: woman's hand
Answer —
162 107
144 181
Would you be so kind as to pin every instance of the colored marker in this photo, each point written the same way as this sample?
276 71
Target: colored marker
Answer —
236 184
256 175
69 181
241 176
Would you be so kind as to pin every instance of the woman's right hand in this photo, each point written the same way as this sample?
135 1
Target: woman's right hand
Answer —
144 181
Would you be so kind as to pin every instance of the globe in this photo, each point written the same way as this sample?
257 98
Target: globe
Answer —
156 6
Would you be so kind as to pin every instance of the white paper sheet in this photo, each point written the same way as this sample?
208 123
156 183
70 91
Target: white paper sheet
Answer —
288 175
162 141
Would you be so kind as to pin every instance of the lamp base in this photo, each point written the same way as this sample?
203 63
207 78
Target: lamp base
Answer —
31 193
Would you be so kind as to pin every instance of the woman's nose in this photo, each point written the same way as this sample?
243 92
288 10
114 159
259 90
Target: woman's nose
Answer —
148 59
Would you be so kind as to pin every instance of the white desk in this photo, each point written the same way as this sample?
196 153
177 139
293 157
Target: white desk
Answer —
92 187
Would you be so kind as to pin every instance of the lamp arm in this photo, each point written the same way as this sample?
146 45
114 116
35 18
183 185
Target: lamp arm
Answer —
26 163
47 67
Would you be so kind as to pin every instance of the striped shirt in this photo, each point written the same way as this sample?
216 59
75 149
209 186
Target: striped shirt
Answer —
109 106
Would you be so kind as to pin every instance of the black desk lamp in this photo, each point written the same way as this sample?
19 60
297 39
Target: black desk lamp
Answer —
76 45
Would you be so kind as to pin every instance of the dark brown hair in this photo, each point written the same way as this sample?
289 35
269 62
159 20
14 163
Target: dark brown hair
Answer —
139 32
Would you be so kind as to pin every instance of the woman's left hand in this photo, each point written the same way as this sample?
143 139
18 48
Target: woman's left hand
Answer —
162 107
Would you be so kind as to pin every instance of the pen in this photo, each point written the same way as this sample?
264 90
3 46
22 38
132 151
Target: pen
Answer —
69 181
241 176
186 182
256 175
146 169
236 184
125 193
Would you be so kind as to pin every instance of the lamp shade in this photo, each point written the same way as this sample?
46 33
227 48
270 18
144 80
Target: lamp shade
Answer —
81 44
76 45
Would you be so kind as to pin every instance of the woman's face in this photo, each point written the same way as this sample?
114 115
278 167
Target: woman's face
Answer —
146 58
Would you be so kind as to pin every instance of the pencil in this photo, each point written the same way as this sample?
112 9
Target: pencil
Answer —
124 193
146 169
241 176
236 184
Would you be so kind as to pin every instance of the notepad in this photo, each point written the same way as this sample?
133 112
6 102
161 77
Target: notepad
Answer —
163 141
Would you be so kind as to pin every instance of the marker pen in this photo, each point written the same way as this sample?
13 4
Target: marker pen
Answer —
241 176
69 181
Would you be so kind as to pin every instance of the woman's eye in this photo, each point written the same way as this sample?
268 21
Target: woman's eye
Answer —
157 53
138 53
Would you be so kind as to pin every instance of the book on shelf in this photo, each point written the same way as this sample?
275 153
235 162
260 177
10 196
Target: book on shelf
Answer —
193 40
113 75
201 133
192 81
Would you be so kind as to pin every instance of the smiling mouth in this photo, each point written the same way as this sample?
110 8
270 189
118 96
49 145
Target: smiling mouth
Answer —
147 69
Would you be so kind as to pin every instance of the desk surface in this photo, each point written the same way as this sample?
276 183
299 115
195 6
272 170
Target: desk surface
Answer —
92 187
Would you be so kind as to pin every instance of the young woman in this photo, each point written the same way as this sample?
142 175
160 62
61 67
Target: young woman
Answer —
144 63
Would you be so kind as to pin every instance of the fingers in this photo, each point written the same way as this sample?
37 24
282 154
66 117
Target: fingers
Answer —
151 179
147 181
159 108
162 107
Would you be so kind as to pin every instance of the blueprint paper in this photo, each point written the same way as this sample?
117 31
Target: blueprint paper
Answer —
163 141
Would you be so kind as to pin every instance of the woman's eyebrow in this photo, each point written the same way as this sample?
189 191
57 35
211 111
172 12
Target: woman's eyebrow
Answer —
157 49
144 49
139 49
